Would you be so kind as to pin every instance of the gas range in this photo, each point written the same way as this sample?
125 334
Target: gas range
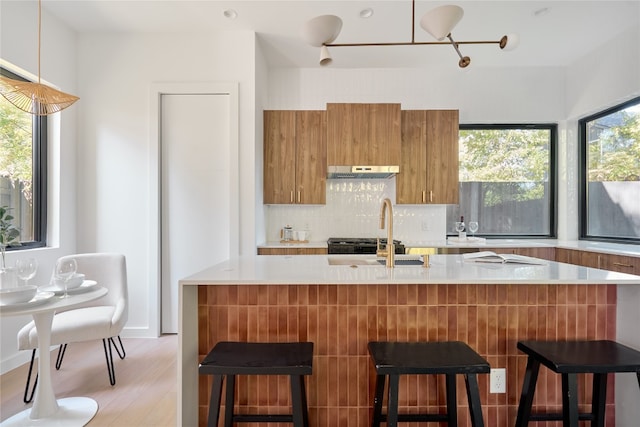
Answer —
355 245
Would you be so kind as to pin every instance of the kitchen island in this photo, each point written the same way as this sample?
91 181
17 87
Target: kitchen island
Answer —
342 307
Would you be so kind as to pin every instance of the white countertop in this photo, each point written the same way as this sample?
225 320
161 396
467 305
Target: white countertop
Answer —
445 269
583 245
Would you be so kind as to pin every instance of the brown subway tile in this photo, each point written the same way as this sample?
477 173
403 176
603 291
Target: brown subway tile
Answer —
340 320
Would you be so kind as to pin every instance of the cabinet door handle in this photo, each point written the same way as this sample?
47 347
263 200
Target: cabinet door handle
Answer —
619 264
298 196
431 196
599 262
424 196
291 198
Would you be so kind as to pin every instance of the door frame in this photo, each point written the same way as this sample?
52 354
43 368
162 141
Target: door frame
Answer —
158 89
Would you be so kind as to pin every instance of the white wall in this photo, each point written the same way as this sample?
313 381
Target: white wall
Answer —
482 96
114 174
112 74
603 78
607 76
18 51
110 196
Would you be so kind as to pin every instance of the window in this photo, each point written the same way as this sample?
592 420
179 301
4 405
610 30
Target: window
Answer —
507 180
23 169
610 174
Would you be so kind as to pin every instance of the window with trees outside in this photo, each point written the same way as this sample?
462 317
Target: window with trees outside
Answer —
23 148
610 174
507 180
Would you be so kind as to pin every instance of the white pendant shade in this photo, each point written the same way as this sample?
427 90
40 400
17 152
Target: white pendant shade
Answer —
325 56
440 21
321 30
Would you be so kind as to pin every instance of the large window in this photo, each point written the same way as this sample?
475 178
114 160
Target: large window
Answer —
610 174
23 143
507 180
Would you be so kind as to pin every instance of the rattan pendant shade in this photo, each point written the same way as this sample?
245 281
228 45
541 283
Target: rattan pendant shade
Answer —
35 98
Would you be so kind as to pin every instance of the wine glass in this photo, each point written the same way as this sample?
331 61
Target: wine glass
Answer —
65 269
473 227
26 269
459 226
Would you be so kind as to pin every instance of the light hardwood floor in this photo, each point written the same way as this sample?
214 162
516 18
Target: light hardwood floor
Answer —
145 390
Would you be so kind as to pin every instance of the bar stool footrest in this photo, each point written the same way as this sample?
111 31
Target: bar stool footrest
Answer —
262 418
417 417
583 416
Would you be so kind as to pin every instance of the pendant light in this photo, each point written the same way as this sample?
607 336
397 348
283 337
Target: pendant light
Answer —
35 98
439 22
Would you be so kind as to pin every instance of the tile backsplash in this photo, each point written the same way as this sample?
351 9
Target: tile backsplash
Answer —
353 210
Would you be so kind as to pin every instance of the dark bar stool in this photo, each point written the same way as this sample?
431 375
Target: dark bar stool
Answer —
393 359
228 359
570 358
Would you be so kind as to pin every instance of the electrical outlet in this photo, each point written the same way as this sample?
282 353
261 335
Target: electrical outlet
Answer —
425 226
498 380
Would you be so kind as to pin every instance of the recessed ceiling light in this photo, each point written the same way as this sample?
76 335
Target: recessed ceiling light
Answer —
230 13
366 13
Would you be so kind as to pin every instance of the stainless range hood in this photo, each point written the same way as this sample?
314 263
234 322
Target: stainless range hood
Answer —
362 172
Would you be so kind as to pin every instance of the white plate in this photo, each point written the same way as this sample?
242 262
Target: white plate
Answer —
86 286
40 298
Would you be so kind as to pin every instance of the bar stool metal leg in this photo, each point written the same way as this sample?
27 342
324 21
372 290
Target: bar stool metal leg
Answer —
528 388
452 407
473 396
570 400
377 400
214 401
229 398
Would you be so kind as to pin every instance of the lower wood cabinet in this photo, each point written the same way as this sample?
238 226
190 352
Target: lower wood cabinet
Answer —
611 262
292 251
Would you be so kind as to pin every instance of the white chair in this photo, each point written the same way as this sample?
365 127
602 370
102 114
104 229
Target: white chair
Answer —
100 319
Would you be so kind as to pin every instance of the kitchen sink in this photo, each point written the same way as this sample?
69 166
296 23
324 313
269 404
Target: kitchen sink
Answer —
352 260
400 262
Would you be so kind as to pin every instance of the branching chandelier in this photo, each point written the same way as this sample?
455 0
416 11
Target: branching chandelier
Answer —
321 32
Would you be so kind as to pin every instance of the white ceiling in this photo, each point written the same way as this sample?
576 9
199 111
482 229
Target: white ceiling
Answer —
552 33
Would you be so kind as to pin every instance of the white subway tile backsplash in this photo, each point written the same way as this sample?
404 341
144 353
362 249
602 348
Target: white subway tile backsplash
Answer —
353 210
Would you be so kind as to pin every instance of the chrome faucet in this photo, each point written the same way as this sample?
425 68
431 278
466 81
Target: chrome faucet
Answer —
389 250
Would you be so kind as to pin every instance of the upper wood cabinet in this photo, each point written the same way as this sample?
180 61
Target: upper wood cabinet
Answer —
429 158
295 166
363 134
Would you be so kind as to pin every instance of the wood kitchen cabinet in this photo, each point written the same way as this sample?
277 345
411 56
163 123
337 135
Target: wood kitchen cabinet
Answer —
295 166
429 157
292 251
363 134
611 262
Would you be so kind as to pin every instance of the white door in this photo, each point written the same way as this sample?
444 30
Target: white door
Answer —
195 191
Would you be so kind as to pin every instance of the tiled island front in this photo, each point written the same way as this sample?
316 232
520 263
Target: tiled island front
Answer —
342 317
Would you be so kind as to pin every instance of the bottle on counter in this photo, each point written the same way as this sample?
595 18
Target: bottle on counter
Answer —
461 228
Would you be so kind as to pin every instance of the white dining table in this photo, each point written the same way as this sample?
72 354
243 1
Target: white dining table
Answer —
46 409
